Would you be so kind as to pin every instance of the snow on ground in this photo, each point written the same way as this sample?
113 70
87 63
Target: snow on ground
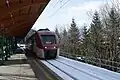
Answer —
69 69
61 74
72 72
94 70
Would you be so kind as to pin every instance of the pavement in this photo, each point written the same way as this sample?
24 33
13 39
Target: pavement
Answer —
17 68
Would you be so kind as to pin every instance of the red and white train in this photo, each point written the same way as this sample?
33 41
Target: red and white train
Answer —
44 43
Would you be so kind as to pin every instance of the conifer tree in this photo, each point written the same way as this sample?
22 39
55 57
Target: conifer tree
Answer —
96 35
74 35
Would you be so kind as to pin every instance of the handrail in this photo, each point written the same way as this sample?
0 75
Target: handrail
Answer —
93 60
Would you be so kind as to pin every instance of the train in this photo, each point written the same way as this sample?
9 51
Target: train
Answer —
44 43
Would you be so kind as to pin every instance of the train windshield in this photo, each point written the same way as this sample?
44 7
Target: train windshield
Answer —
48 39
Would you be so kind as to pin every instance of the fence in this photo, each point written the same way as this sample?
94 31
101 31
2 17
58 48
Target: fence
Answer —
108 64
6 48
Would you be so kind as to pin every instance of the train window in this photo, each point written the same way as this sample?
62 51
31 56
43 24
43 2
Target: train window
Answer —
34 42
48 39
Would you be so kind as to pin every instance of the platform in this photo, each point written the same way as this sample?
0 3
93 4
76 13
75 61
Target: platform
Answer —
17 68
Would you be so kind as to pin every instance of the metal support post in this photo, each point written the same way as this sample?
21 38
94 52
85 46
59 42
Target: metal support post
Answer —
2 49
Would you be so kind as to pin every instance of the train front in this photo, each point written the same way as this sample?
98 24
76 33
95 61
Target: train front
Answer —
50 45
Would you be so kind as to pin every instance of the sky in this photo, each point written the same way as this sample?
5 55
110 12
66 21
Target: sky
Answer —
54 16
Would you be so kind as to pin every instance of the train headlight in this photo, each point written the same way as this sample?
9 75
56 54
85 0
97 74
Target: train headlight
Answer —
45 47
54 47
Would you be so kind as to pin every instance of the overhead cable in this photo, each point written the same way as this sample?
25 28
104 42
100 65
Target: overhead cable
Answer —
59 8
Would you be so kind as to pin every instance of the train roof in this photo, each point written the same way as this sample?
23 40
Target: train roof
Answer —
44 29
40 31
30 33
46 32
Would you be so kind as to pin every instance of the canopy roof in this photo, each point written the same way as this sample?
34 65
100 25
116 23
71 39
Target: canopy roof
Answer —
18 16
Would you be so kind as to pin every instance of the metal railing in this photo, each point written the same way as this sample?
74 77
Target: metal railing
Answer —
6 48
108 64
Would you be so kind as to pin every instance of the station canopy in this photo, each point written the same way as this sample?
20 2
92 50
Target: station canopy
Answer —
18 16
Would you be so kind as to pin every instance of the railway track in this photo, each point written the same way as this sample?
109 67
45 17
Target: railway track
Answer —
42 72
72 70
67 69
93 70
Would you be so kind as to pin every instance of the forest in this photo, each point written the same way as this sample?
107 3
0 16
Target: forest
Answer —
98 43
